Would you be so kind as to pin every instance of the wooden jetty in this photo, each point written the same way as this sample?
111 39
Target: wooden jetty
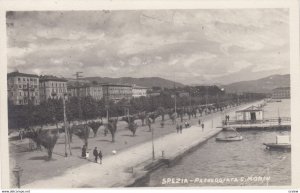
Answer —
284 123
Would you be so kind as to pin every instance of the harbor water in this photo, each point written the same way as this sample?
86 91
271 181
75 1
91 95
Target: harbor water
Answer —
240 163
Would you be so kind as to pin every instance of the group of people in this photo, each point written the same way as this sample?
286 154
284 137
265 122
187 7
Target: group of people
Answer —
97 154
179 128
201 124
226 119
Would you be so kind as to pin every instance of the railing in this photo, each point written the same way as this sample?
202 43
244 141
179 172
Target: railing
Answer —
271 121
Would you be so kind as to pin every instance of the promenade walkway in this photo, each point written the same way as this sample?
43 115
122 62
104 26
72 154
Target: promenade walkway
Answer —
114 170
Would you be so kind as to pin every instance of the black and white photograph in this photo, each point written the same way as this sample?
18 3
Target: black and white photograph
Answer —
115 98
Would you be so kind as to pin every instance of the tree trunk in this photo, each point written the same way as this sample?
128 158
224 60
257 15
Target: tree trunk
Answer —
143 122
49 154
113 137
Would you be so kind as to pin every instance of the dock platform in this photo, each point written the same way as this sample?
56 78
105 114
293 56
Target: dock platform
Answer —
240 127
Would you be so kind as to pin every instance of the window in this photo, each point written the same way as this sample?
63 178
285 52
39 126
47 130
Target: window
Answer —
30 79
19 79
20 86
20 102
20 94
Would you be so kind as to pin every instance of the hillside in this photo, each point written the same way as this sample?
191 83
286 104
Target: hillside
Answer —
263 85
146 82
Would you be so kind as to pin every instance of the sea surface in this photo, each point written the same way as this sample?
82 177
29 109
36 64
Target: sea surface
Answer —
241 163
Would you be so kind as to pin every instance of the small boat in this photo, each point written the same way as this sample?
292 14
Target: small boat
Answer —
230 138
282 142
237 137
278 146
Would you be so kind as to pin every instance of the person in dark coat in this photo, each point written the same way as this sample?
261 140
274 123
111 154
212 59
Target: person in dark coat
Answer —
202 125
95 153
83 151
100 156
177 128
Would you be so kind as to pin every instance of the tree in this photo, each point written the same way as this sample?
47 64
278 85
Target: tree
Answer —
153 116
45 138
94 125
112 127
83 132
142 116
132 126
148 122
172 116
162 112
181 113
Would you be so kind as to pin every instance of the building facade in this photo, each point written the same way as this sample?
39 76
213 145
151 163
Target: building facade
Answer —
139 91
281 93
250 114
52 87
117 92
95 91
23 88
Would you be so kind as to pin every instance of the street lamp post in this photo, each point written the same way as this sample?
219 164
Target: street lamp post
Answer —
18 172
153 152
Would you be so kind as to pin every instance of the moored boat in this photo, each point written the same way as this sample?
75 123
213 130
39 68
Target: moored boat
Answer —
278 146
282 142
231 138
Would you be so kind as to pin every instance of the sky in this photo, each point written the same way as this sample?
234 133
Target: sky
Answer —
187 46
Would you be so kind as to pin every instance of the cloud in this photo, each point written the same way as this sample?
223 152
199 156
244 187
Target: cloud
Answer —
182 45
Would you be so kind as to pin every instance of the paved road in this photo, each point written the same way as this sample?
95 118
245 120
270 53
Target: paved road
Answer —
114 168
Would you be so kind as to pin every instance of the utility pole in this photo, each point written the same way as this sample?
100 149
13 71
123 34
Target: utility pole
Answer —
65 125
77 75
175 98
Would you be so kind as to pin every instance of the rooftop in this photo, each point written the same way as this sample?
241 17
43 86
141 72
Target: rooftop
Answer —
17 73
51 78
282 88
251 109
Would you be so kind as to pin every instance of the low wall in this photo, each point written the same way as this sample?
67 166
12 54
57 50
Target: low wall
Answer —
150 167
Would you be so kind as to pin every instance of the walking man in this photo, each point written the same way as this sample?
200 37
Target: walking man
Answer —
83 151
202 125
100 156
180 128
177 128
95 153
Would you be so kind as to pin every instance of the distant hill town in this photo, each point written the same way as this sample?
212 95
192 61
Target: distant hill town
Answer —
148 82
263 85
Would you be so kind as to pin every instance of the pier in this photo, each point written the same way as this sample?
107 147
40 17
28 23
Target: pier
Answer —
282 123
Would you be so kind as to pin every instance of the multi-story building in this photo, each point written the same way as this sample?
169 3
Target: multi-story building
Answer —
22 88
281 93
52 87
116 92
93 90
139 91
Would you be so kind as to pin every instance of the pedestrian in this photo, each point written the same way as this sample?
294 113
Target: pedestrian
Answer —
95 153
21 134
202 125
180 128
100 156
279 121
177 128
83 151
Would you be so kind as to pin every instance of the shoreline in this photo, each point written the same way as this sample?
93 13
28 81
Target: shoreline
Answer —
129 166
